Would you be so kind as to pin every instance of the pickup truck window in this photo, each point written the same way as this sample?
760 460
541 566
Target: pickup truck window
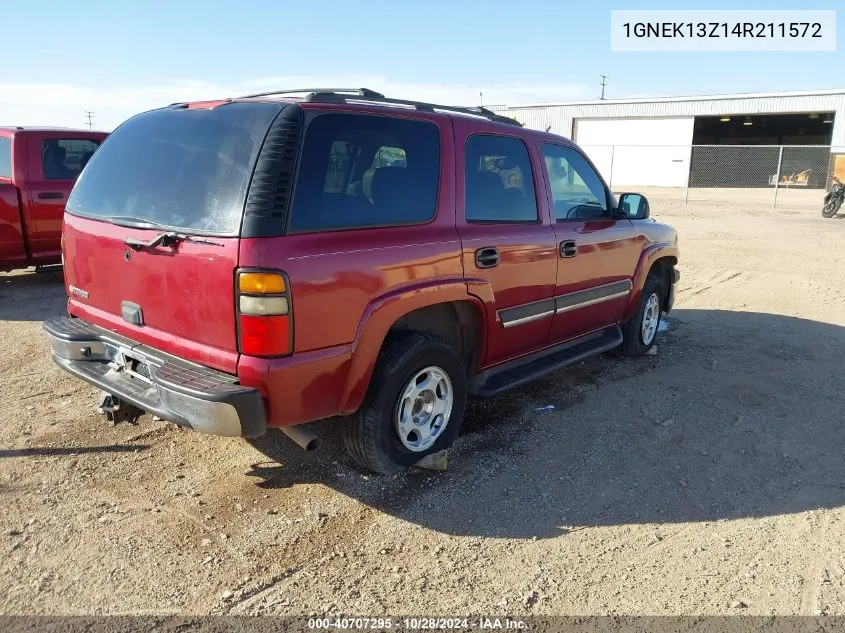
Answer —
360 171
577 191
64 158
5 157
499 180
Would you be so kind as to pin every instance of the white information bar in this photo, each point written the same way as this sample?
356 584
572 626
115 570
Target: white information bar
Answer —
723 30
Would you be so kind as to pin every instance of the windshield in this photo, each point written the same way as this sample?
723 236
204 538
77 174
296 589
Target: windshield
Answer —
177 168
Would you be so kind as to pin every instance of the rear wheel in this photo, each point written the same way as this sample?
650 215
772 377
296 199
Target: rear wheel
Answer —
640 330
414 406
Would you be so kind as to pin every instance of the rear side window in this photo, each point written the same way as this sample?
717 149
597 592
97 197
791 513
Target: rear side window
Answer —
176 168
499 185
64 158
5 157
361 171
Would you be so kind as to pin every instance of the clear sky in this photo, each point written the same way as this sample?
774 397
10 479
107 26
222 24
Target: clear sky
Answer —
120 57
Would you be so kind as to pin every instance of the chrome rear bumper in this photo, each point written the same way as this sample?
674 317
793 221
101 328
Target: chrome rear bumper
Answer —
178 391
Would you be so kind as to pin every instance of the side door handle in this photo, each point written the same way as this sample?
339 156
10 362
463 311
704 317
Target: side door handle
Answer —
568 248
487 257
51 195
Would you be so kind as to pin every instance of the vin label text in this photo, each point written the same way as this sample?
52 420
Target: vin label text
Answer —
713 30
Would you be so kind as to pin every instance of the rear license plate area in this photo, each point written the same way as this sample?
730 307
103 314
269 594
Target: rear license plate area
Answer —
135 366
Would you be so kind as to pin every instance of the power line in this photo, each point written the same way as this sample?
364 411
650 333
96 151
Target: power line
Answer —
90 116
604 79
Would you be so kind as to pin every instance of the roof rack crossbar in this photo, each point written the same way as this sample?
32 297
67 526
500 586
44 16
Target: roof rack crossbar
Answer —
361 92
330 96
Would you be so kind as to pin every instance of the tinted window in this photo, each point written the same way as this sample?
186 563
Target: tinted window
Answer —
5 157
577 191
179 168
358 171
499 180
64 158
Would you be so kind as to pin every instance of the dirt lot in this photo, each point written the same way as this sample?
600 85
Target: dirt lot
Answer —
708 479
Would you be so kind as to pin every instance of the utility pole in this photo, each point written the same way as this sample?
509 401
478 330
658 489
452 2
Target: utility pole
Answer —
481 99
90 116
604 79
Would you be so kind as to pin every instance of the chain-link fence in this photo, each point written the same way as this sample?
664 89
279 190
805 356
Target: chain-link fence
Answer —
770 175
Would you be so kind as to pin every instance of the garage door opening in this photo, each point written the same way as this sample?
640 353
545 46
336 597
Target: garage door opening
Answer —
754 158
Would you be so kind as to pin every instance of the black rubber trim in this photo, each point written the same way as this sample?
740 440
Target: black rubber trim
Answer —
270 191
527 369
574 299
509 315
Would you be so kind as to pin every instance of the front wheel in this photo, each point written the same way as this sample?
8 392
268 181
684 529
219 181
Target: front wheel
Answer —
414 405
831 207
640 330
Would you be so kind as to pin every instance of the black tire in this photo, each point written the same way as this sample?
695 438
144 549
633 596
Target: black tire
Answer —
370 436
831 208
632 335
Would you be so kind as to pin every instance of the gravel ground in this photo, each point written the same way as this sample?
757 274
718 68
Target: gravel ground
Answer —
707 479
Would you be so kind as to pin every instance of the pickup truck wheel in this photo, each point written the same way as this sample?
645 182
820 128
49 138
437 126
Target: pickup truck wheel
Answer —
414 406
640 330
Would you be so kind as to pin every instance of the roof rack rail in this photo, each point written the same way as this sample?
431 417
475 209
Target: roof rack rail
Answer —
333 96
339 95
361 92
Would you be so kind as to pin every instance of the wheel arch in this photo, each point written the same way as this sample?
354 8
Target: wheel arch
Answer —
660 257
447 311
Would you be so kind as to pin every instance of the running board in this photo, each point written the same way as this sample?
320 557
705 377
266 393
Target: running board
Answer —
527 369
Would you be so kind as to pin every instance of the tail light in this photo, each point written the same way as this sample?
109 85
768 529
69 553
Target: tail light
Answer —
265 327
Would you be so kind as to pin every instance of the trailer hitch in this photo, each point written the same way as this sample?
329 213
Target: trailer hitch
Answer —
117 411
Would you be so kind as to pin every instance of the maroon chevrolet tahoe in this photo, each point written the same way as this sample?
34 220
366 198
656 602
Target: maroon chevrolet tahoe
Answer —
276 259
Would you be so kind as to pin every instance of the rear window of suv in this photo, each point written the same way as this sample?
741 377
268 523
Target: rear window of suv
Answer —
360 171
176 168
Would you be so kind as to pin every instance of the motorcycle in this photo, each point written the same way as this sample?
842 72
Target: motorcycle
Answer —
833 199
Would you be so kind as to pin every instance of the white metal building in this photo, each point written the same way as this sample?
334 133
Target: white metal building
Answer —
650 141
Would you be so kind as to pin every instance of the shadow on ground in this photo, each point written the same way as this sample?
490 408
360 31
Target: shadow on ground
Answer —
739 415
50 451
32 296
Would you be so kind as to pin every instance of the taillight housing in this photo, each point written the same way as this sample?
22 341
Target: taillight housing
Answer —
265 325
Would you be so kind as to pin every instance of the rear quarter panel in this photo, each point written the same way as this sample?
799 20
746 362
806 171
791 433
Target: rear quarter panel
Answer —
339 283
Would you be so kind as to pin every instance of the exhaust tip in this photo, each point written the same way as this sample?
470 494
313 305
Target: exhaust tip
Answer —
304 438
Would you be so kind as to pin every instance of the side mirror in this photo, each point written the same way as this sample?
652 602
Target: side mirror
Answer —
634 206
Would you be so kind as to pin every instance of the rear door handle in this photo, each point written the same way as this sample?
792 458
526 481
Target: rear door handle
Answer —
487 257
51 195
568 248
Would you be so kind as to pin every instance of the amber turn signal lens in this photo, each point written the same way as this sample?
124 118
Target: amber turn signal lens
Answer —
261 283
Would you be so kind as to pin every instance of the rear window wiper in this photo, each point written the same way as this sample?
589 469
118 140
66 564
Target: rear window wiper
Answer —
167 238
130 221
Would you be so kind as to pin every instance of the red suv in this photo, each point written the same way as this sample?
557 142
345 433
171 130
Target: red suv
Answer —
280 258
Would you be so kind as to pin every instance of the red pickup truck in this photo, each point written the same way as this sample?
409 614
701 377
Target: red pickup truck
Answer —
38 168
